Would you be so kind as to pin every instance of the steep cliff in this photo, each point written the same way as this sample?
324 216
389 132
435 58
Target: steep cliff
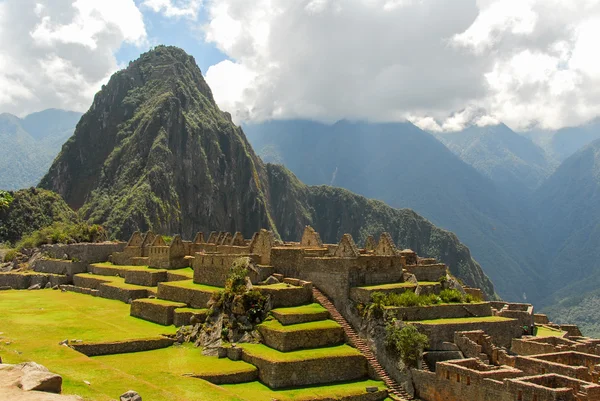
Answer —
154 151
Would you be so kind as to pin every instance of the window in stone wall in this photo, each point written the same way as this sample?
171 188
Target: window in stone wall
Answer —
458 378
534 397
447 375
468 381
520 396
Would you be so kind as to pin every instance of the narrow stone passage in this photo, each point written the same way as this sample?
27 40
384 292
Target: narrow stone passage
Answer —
396 391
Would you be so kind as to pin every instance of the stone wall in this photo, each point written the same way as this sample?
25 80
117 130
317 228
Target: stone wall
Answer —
157 311
288 296
501 332
213 269
121 293
439 311
427 272
192 297
286 341
59 266
84 252
148 278
122 347
22 281
313 371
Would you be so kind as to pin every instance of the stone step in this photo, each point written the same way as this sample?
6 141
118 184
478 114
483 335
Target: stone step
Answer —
305 368
300 314
137 275
287 295
155 310
112 287
59 266
302 335
188 292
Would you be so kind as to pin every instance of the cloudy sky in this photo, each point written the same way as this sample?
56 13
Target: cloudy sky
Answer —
439 63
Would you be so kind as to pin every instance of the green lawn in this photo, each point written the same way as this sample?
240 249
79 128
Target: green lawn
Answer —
484 319
310 309
280 286
256 391
321 324
34 322
162 302
173 361
186 271
277 356
545 331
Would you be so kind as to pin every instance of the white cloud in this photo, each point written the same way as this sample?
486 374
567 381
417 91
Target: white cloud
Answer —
175 8
61 51
441 64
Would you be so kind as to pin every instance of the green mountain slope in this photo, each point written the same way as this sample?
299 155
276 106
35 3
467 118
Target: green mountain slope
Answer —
30 144
154 151
407 167
30 210
511 161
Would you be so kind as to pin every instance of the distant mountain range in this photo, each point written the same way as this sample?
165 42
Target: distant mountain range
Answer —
531 225
30 144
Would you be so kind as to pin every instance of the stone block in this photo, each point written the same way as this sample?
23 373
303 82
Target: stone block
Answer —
122 347
155 310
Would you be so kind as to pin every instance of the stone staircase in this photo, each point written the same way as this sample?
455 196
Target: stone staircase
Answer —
396 391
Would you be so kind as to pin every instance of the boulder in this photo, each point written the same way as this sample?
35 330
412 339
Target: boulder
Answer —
5 288
48 285
131 396
35 287
37 378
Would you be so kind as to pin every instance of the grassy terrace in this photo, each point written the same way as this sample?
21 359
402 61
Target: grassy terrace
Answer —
186 271
321 324
310 309
280 286
273 355
257 391
176 361
114 281
484 319
34 322
545 331
189 284
163 302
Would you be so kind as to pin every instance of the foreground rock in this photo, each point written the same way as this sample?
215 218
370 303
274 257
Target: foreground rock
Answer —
30 381
131 396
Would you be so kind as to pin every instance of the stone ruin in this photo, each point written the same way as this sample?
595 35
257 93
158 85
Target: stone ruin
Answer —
477 351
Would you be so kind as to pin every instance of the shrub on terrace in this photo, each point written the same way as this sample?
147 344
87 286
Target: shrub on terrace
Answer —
62 233
406 342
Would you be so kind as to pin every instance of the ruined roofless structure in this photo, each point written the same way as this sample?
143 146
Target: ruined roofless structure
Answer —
335 268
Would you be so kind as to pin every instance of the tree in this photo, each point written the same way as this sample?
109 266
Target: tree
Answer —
407 342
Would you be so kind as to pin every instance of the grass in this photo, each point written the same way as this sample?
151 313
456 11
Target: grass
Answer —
190 285
319 325
192 310
34 322
264 352
545 331
114 281
256 391
173 361
484 319
127 267
309 309
186 271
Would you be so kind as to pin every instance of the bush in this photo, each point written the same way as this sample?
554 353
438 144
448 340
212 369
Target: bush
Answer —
6 199
449 296
62 233
10 255
406 342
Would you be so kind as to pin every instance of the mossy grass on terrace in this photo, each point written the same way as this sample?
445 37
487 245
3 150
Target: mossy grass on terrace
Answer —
163 302
318 325
309 309
545 331
264 352
280 286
